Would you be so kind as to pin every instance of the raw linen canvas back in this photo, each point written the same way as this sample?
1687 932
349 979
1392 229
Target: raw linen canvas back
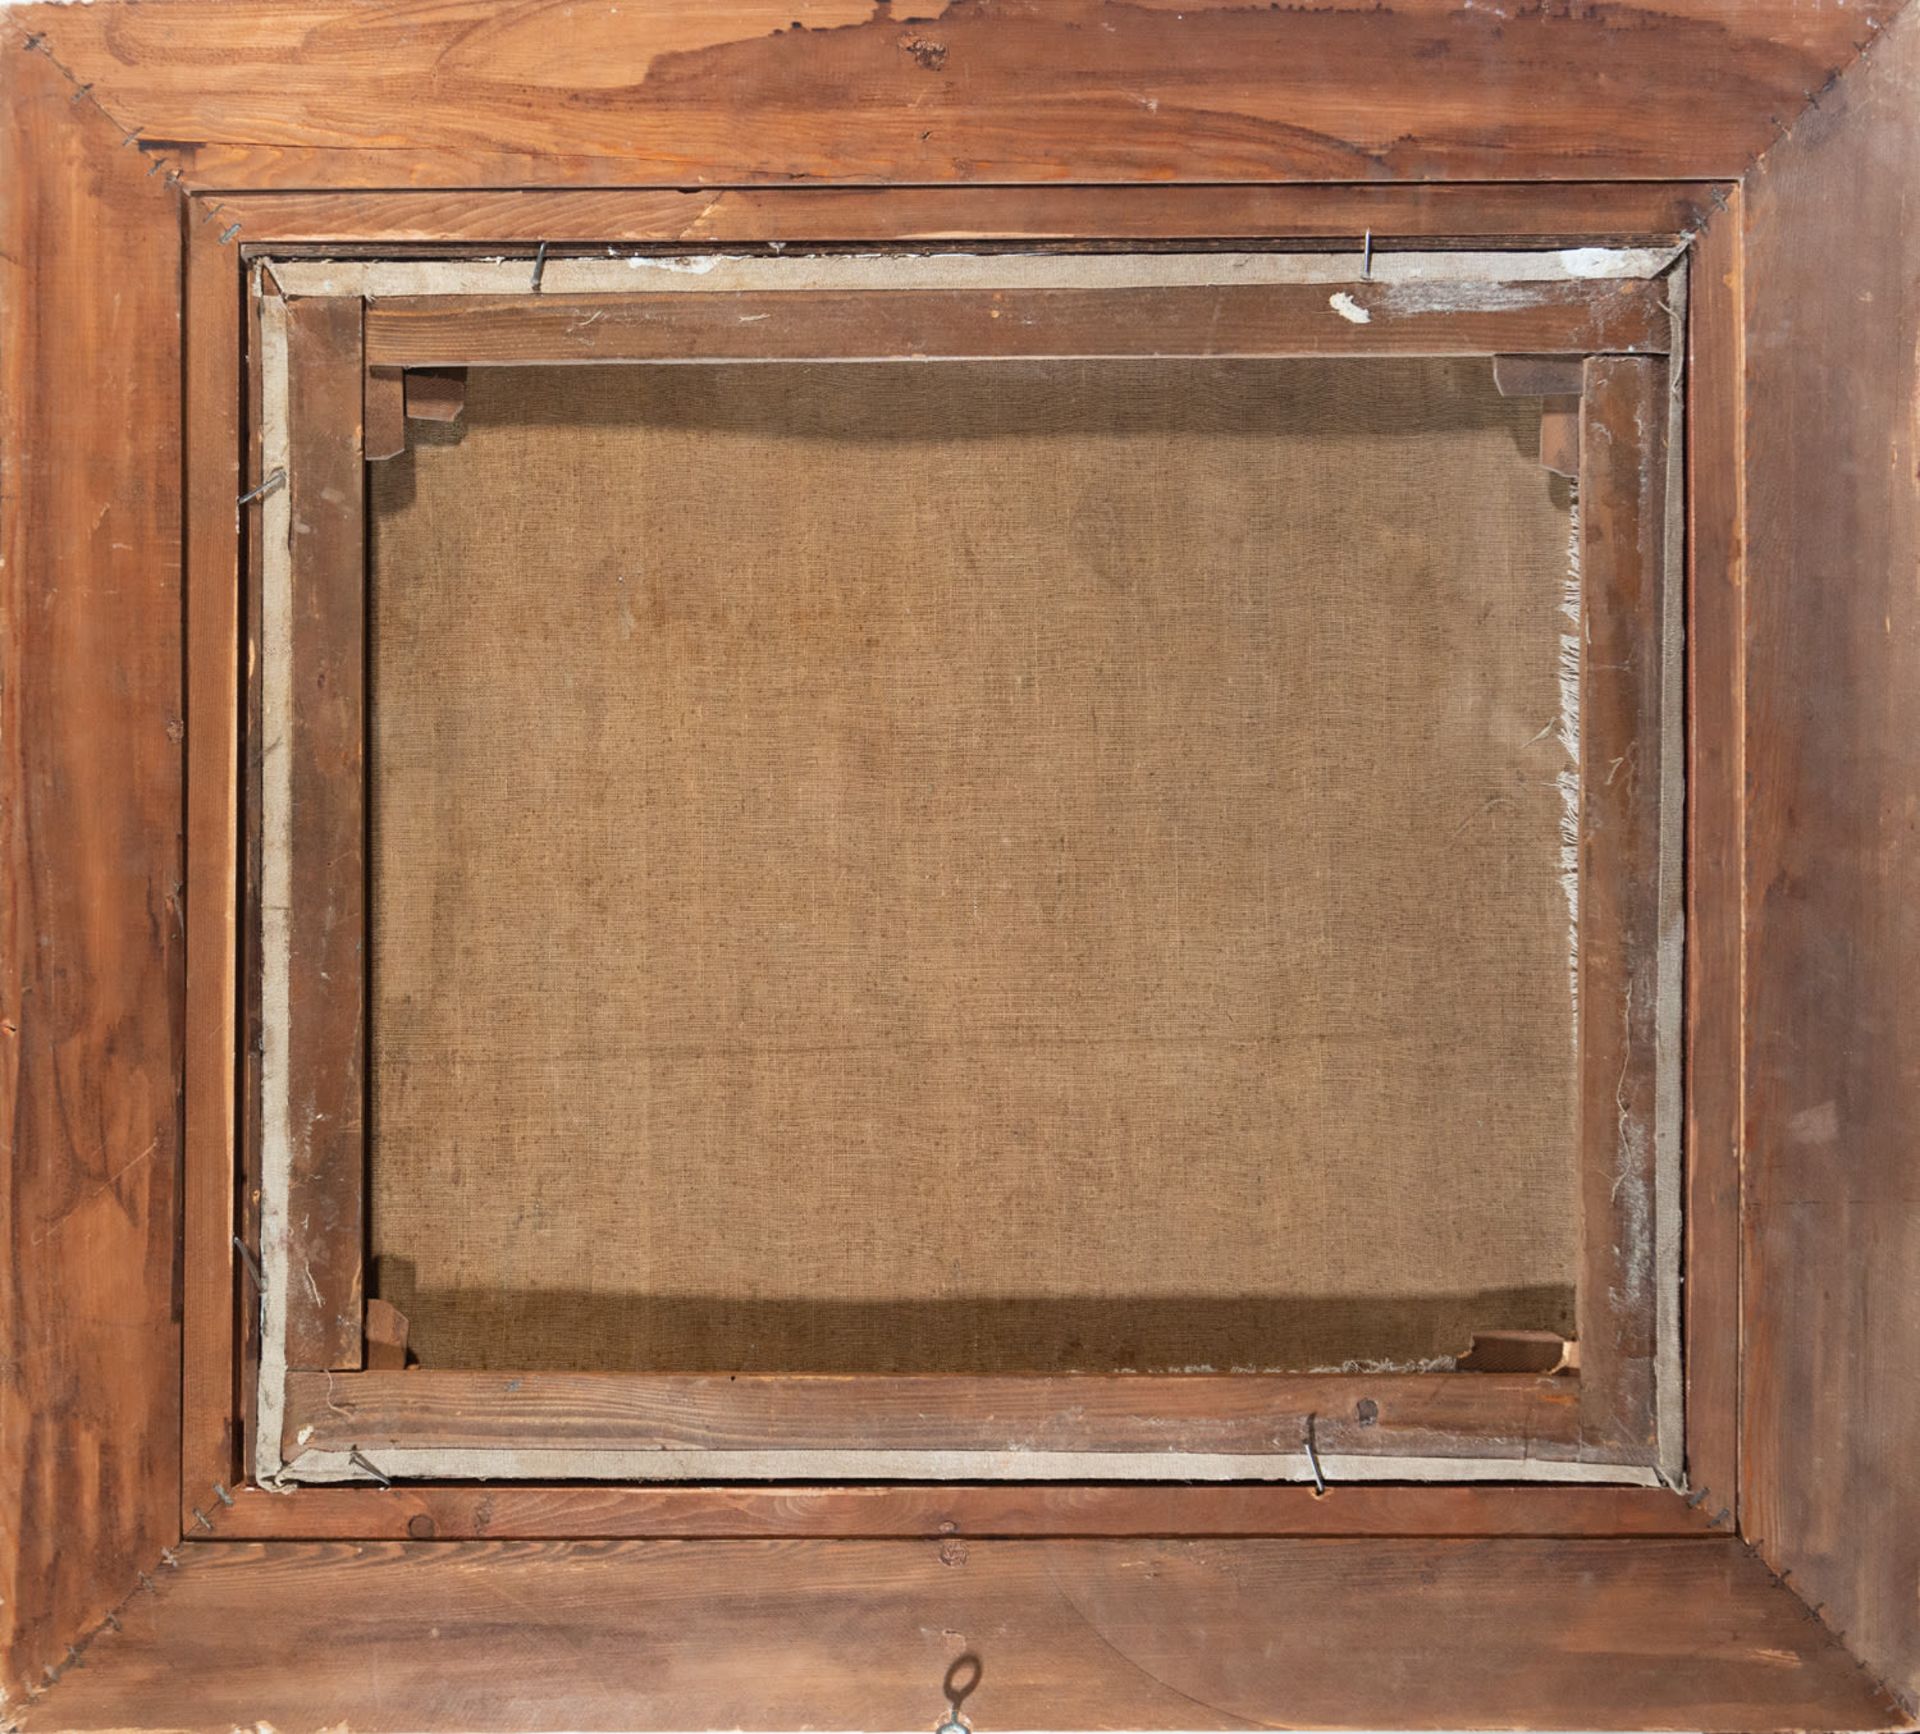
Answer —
973 867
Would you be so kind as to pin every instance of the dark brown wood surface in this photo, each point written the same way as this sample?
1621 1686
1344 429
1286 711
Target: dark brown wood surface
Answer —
1716 816
1369 1633
1235 320
1573 213
1622 528
1830 1456
1439 1414
326 923
993 1509
91 979
512 92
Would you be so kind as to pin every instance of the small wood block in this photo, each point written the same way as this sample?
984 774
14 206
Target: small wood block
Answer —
386 1336
1538 375
1543 1352
1560 435
384 417
436 393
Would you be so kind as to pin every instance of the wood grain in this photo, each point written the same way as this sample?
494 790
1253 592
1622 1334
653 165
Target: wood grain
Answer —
209 1299
246 93
1069 1634
434 394
1716 809
1441 1414
1831 1403
384 415
1539 375
1622 484
1235 320
91 977
1571 213
386 1337
326 926
519 92
529 1511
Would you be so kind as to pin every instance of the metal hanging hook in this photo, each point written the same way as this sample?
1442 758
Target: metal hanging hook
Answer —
962 1676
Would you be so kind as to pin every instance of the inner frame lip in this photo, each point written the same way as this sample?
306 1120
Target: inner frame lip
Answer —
686 271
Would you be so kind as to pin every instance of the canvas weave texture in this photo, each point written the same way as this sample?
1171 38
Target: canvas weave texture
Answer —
970 866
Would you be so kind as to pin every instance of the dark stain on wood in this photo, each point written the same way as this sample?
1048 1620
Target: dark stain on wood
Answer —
986 90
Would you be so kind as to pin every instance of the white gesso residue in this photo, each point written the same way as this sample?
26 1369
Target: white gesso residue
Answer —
1587 261
1568 734
695 265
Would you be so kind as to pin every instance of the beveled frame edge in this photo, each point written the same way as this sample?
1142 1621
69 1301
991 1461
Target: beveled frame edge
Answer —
1095 216
91 958
1134 1633
212 311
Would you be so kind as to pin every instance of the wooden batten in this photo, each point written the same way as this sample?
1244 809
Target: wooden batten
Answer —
317 823
1222 320
1170 1420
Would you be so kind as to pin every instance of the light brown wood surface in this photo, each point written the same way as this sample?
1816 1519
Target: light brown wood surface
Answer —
999 1509
91 976
1830 1457
1075 1634
209 1456
1234 320
655 92
1439 1414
